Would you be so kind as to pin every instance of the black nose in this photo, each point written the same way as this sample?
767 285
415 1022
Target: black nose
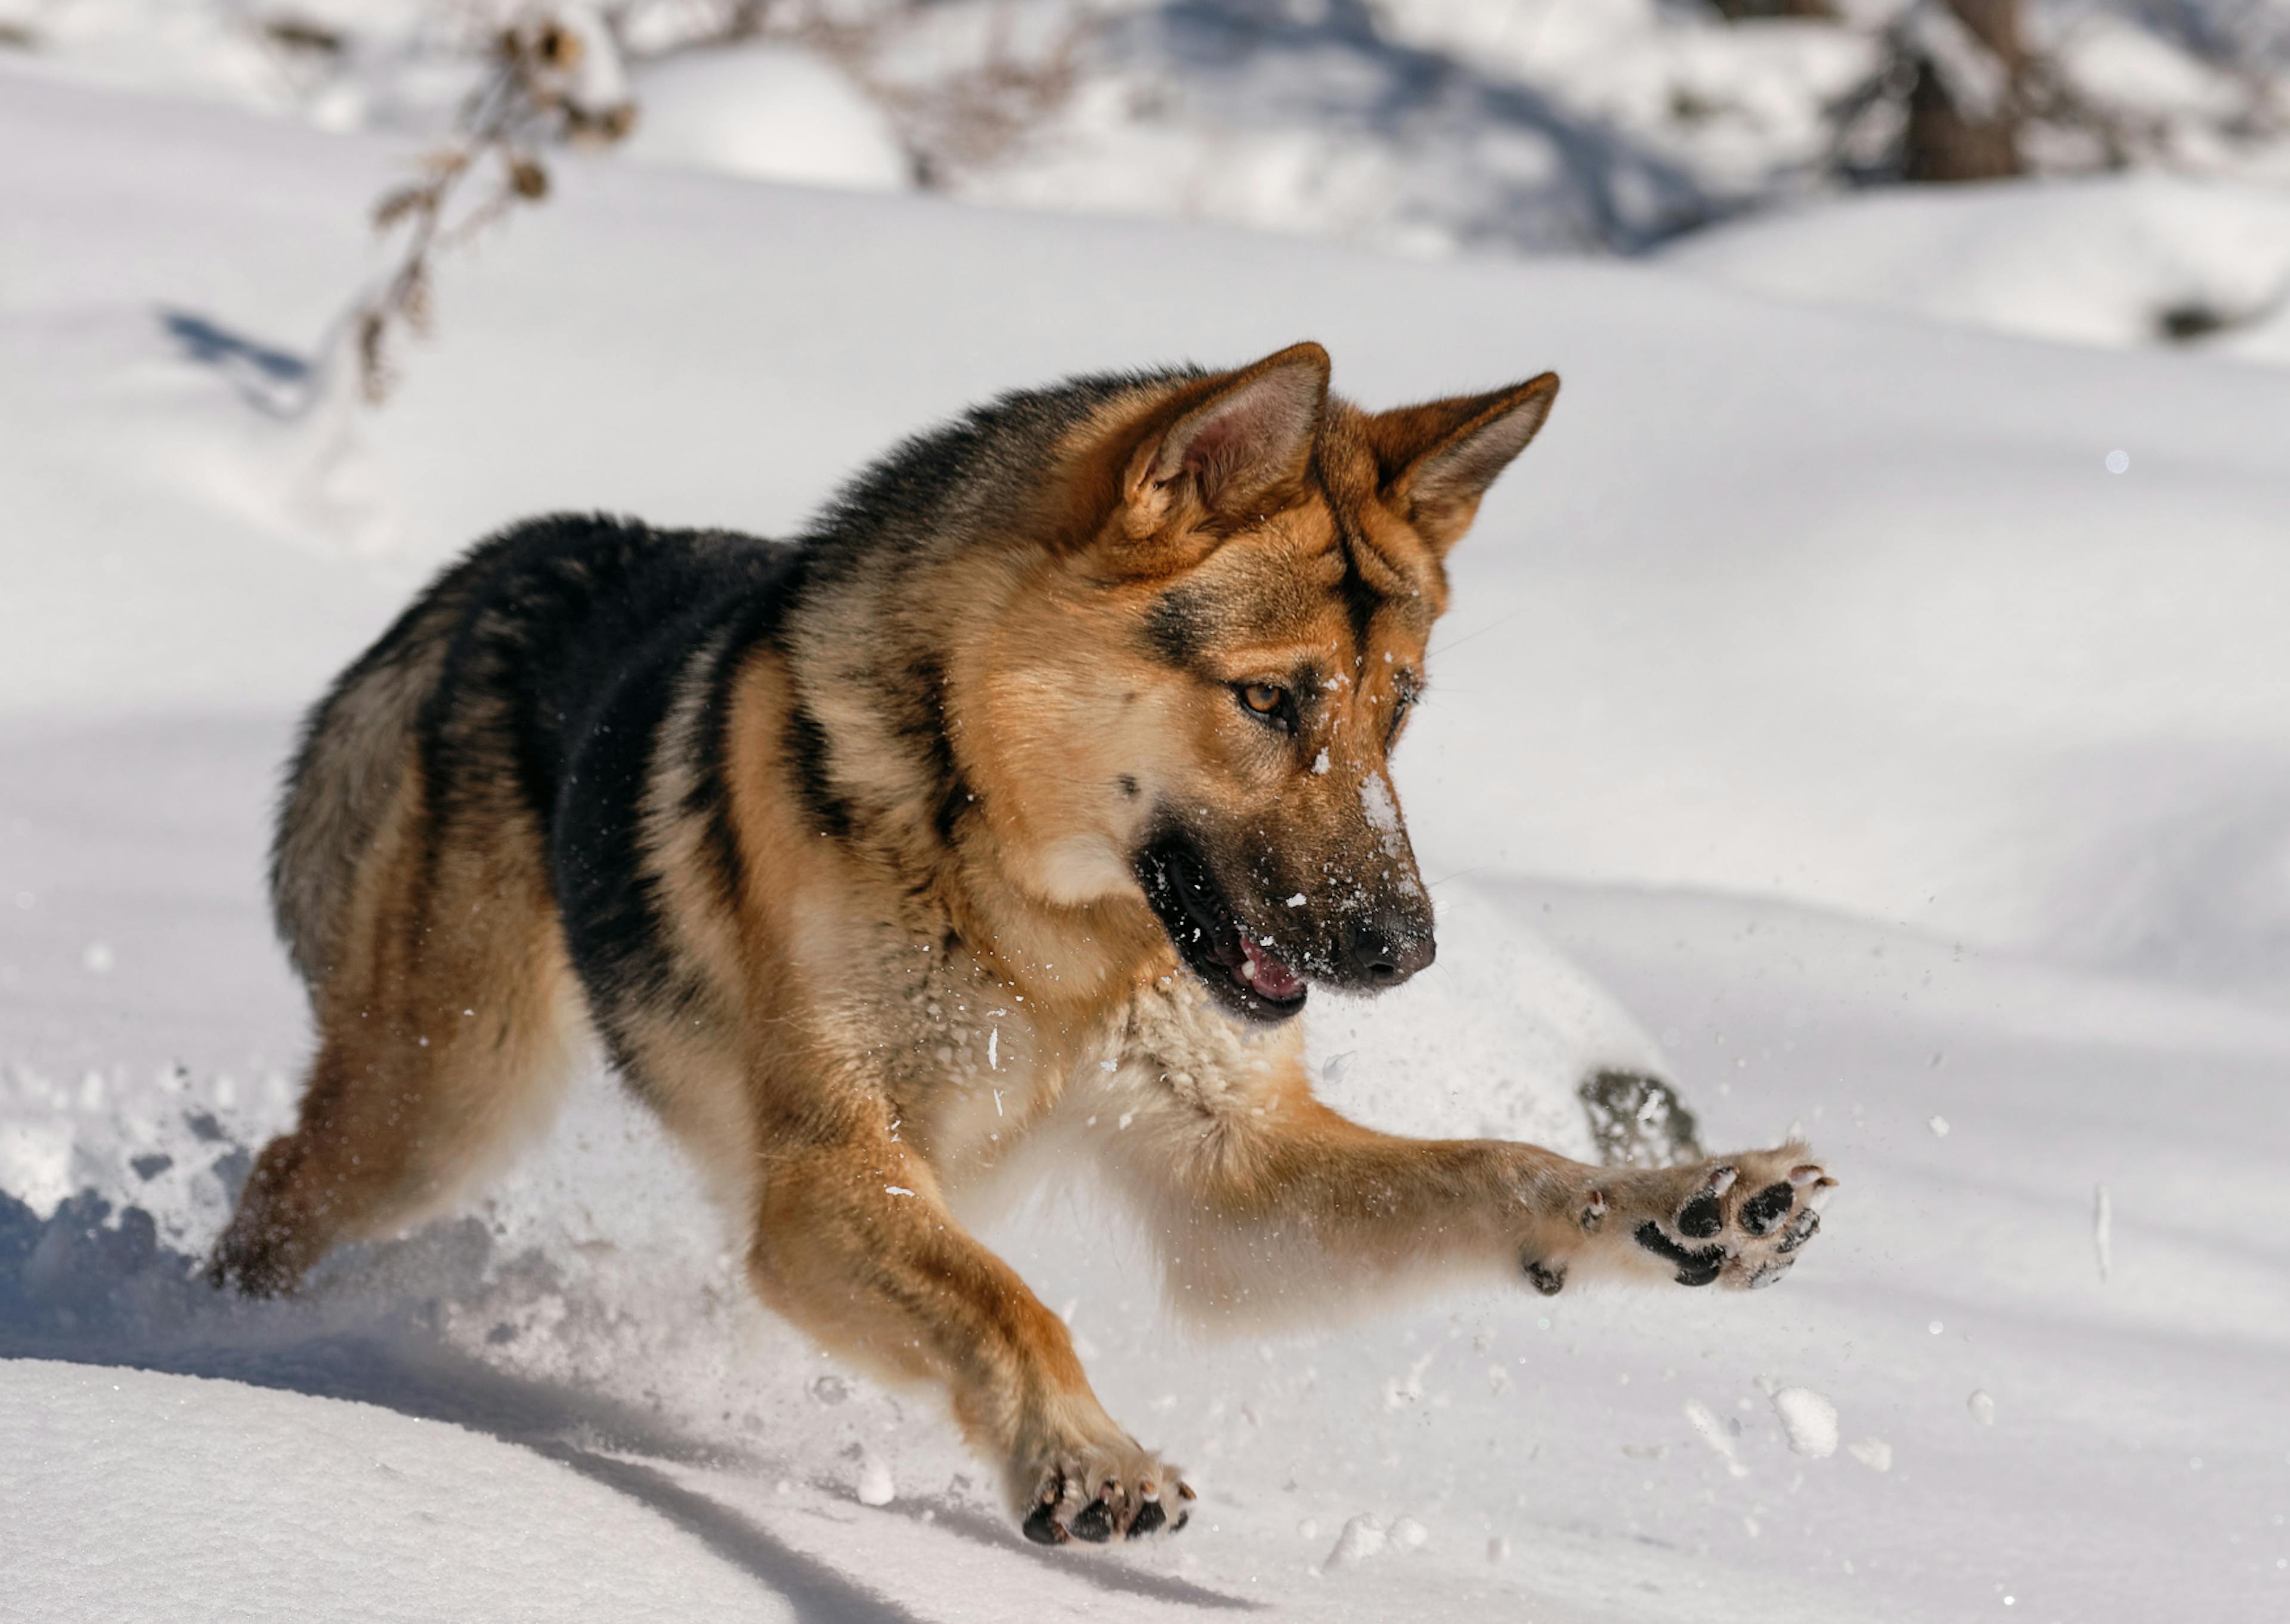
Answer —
1384 953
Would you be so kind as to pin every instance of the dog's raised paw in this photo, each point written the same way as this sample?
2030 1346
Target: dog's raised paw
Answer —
1740 1220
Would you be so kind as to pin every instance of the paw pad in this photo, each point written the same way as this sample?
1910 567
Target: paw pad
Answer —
1696 1268
1702 1217
1801 1228
1043 1527
1743 1231
1761 1212
1058 1515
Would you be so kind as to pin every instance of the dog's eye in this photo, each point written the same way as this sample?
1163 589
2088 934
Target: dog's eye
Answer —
1268 703
1403 695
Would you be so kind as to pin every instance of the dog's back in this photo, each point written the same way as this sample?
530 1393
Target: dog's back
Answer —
489 685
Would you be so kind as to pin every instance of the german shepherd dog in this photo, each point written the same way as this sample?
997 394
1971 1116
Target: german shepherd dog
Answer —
1029 792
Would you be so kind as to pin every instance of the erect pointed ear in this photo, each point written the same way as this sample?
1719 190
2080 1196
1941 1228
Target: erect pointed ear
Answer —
1248 435
1438 459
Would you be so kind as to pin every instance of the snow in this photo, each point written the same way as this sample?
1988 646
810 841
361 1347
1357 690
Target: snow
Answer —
1808 1420
2117 260
335 1510
1713 1432
1819 723
1363 1538
1874 1453
873 1485
769 113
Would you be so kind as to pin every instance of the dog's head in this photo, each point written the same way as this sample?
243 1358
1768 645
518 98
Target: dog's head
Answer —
1214 684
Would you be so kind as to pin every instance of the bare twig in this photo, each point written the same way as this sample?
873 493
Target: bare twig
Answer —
530 99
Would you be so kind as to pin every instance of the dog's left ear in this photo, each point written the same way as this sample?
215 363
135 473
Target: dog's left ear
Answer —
1237 437
1437 459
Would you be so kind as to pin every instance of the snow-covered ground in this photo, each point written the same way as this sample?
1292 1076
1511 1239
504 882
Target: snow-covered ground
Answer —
2120 261
1820 713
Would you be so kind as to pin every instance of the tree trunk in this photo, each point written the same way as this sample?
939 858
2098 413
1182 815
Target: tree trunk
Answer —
1963 112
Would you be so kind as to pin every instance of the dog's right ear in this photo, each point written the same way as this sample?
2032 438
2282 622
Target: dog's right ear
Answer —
1250 436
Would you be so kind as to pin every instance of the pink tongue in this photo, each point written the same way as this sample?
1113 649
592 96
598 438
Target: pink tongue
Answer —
1268 974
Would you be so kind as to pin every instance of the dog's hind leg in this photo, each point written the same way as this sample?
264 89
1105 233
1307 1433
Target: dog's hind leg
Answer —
443 1036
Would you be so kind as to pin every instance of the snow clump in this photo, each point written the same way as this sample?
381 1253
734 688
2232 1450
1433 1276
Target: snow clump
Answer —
1874 1453
1713 1433
1809 1420
875 1486
1363 1537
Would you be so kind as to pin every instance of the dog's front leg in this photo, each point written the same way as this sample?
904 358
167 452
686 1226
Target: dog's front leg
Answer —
1263 1197
853 1244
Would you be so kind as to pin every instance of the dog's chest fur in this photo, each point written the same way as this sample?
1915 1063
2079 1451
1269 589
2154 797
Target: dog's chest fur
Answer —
974 1064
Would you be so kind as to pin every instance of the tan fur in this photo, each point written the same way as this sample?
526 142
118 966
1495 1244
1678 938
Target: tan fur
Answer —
877 1020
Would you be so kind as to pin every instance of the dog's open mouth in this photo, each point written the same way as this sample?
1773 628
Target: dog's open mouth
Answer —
1236 964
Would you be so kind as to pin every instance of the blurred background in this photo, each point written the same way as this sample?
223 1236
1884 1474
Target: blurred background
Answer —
1422 127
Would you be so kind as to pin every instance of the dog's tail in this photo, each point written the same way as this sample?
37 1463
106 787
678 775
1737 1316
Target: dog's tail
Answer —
357 746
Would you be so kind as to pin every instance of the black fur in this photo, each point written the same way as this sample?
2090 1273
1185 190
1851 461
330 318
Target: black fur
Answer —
806 746
1177 628
1361 600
